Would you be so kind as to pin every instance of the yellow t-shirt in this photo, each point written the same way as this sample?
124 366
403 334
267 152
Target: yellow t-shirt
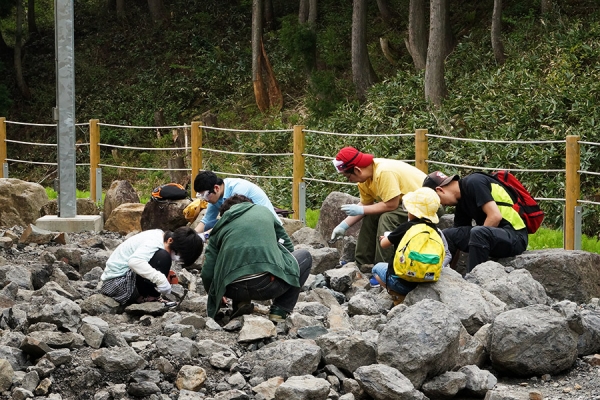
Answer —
391 178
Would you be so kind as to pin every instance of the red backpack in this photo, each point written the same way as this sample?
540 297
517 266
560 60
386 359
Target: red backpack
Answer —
525 204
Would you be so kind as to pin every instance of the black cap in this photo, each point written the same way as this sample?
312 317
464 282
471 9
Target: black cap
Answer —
438 178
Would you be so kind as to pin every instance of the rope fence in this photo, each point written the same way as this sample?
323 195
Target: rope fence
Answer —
300 178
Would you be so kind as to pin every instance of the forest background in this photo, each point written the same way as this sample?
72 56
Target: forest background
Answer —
504 70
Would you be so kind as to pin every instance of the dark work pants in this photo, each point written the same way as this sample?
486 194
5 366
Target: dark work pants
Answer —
161 261
482 242
268 287
368 249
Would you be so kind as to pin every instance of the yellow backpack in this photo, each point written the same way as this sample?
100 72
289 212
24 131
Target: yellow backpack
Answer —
420 255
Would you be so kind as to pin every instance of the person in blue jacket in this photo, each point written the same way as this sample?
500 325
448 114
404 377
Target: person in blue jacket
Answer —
216 190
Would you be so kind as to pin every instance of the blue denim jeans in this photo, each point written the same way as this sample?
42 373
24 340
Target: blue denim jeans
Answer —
268 286
393 283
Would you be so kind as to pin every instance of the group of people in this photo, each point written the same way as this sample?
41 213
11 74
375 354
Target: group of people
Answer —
249 256
388 189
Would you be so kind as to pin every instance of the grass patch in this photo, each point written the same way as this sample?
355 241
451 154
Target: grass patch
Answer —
312 217
546 238
80 194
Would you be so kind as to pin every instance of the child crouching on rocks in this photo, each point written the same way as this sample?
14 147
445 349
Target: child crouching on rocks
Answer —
138 268
422 206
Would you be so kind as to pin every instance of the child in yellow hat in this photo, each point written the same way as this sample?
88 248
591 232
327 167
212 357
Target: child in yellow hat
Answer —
422 206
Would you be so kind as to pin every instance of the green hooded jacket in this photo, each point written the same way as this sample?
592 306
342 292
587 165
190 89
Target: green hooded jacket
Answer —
246 240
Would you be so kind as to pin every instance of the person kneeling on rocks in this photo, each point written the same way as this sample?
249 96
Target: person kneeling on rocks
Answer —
422 206
250 257
138 268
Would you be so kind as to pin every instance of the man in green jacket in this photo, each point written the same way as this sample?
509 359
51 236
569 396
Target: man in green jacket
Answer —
250 257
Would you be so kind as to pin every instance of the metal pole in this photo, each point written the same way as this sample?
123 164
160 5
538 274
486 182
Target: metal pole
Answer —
65 99
3 173
577 238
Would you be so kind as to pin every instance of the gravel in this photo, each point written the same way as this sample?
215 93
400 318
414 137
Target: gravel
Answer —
581 382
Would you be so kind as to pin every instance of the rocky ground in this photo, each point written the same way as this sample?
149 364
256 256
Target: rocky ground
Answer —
78 379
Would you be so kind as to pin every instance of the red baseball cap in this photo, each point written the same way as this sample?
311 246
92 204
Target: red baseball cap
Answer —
349 157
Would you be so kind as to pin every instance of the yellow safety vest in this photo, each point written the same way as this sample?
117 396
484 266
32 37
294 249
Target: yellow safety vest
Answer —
500 195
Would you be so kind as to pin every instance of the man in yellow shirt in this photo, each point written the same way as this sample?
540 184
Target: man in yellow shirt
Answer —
381 183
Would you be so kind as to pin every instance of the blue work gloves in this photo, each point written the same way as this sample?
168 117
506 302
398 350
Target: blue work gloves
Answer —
340 230
353 209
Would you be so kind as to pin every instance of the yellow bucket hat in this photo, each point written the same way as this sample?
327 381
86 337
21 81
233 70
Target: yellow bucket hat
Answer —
422 203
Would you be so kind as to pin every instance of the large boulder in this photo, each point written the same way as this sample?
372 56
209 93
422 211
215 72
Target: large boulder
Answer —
515 287
21 202
421 342
476 306
120 192
532 341
565 274
125 218
165 215
331 215
284 358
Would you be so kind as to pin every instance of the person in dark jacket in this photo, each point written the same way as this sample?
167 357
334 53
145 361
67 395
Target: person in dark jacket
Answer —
499 230
250 257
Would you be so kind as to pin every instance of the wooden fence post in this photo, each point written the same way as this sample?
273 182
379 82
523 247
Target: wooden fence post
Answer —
572 189
196 153
94 156
298 168
2 146
421 150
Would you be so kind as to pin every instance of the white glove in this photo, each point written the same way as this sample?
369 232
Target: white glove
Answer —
339 230
164 288
353 209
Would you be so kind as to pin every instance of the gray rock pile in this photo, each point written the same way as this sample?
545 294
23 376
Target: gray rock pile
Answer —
507 331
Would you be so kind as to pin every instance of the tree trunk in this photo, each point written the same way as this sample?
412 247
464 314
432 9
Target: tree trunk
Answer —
31 25
497 45
260 91
546 6
18 55
303 11
449 41
312 12
435 85
384 11
157 10
269 14
363 74
273 90
120 6
417 33
267 93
